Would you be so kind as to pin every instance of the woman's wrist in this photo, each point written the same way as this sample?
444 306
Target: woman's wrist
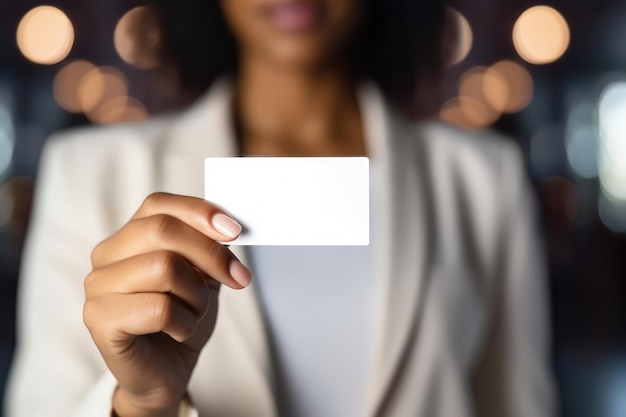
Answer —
124 406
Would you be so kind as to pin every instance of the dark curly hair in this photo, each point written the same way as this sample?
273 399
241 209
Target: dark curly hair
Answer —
398 44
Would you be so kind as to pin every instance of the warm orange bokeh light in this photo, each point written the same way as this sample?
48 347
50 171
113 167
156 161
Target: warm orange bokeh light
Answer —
452 112
485 93
99 86
45 35
509 87
541 35
472 97
463 36
495 90
91 89
67 82
119 110
136 39
135 111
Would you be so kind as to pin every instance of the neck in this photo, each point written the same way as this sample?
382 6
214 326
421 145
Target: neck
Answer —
290 111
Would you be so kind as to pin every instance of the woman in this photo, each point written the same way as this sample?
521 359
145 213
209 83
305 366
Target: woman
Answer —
443 315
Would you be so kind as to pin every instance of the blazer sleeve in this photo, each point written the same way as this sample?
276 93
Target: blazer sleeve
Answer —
56 365
57 370
514 377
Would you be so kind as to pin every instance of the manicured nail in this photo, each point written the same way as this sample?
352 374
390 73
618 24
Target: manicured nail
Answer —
226 225
240 273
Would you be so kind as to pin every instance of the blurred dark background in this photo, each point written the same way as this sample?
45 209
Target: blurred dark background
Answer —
552 77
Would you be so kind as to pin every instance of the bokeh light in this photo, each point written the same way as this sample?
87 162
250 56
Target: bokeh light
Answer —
135 111
452 112
486 93
7 139
6 152
119 110
99 86
136 38
508 87
494 89
67 82
99 92
583 152
462 36
45 35
541 35
472 96
582 139
612 125
612 213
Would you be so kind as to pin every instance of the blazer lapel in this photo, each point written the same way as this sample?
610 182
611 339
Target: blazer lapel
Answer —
403 231
205 129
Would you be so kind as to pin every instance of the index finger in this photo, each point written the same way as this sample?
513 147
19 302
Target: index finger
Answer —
200 214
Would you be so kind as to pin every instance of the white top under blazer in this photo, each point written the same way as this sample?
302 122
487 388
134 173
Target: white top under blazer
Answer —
319 303
462 326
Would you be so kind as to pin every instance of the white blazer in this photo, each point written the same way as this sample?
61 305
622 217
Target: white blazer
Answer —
463 329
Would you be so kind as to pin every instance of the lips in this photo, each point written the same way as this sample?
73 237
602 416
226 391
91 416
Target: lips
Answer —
293 16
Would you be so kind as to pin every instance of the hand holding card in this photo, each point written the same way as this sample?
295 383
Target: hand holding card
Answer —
293 201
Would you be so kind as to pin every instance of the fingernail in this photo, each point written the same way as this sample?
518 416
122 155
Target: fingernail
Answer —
240 273
226 225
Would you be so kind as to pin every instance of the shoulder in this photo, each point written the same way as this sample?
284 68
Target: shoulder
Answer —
469 150
89 141
103 157
475 163
99 173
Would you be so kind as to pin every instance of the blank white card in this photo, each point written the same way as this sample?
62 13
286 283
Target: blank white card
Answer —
293 200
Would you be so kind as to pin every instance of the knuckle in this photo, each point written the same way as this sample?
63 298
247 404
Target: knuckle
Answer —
89 312
162 310
95 319
89 281
201 300
205 301
165 265
96 254
219 254
160 227
153 201
163 262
